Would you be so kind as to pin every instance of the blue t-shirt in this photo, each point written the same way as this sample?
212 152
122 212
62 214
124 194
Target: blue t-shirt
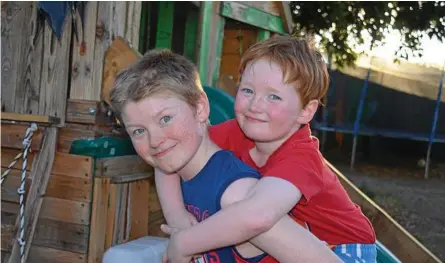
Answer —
202 194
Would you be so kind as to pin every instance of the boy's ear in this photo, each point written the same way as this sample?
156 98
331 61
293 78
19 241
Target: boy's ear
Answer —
203 108
308 112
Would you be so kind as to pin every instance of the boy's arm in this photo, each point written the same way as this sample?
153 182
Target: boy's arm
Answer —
268 201
170 196
287 241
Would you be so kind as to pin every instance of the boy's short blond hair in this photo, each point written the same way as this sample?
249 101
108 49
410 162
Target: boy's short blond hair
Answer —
301 63
159 70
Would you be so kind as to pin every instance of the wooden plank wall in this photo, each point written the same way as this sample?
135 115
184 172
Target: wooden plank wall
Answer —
104 22
62 229
34 75
123 202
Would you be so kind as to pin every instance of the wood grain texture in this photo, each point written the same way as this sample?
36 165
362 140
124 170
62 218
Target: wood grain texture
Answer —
66 210
123 165
98 219
49 233
83 55
119 56
51 256
20 58
55 72
29 118
140 193
8 155
64 163
13 135
40 175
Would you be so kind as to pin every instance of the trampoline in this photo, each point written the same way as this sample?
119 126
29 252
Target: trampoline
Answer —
358 128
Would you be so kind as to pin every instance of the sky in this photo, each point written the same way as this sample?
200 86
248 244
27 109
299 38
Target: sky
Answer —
433 50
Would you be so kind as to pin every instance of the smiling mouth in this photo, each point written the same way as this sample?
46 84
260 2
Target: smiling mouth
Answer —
164 152
251 119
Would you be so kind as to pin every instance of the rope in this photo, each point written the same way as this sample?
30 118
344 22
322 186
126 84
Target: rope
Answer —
21 191
5 173
27 138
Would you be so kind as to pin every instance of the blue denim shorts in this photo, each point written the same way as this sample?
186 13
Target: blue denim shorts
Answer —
357 253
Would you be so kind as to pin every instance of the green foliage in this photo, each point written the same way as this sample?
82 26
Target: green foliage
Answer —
337 23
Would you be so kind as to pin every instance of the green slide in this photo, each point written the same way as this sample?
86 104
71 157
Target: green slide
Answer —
222 109
221 105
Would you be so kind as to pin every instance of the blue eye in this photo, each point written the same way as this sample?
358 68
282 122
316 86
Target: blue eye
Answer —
274 97
165 119
138 132
246 90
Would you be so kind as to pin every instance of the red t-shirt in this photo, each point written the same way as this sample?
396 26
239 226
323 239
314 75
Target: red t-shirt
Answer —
325 206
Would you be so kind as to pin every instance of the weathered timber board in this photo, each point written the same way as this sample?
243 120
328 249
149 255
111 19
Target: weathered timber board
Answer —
49 233
39 254
13 135
64 164
34 75
82 86
21 61
122 165
40 174
55 72
59 186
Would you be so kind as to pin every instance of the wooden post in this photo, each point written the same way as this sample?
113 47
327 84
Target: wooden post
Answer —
98 219
219 46
210 42
205 28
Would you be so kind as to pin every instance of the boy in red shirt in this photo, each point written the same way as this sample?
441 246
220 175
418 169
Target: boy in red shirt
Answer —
282 82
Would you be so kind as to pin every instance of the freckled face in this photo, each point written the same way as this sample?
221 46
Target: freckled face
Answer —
164 131
267 109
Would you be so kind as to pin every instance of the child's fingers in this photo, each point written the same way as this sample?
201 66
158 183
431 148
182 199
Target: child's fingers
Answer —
166 229
164 258
169 230
192 219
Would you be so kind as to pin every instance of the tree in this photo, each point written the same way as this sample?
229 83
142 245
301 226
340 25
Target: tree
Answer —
342 26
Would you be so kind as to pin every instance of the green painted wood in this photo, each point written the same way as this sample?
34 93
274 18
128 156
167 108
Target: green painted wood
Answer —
206 20
219 46
191 34
263 34
252 16
164 30
144 30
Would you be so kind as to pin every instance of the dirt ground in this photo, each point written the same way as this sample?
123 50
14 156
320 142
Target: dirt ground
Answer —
417 204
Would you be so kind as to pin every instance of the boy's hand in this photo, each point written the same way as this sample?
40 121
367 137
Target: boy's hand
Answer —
174 253
169 230
185 221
